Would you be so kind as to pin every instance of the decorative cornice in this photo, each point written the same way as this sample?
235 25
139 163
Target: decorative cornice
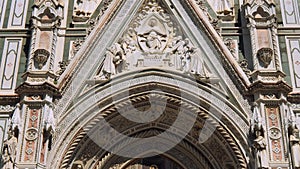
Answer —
55 2
45 87
260 86
9 99
294 98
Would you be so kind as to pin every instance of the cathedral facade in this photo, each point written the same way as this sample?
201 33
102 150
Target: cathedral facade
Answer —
150 84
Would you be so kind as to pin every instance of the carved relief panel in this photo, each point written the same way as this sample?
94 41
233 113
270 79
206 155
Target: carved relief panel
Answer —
153 39
274 131
31 134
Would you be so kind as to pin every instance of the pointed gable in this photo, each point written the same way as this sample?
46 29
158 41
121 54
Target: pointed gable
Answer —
152 34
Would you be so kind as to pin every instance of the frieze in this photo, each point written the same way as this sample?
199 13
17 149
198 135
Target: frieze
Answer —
296 106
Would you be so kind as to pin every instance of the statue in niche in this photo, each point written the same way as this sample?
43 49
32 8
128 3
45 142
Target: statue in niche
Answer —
295 146
259 143
7 162
10 150
260 147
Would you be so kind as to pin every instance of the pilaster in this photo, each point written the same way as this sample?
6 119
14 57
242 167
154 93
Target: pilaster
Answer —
269 89
39 89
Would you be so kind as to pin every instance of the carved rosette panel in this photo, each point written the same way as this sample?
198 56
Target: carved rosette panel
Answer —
275 133
31 133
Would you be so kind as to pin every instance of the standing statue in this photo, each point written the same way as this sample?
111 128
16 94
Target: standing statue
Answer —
261 152
10 151
177 50
295 147
114 62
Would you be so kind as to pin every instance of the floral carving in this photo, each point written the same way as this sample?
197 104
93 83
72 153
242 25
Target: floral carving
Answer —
63 66
244 65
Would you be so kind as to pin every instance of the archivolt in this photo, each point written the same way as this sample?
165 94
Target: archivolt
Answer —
74 147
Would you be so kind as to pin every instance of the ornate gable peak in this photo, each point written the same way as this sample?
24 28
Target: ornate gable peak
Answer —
92 52
153 39
260 10
259 2
47 10
56 3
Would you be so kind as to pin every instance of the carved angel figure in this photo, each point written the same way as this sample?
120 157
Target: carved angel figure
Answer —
184 57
